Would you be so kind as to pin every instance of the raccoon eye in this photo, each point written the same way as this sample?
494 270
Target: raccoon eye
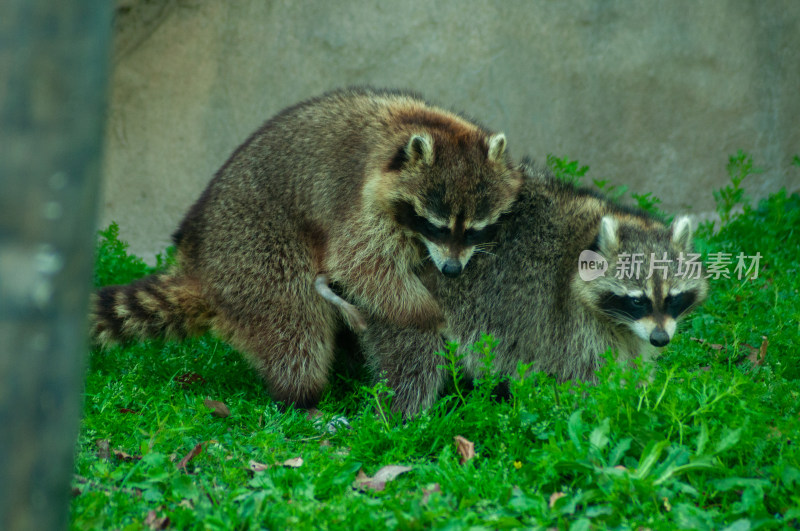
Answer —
431 231
474 237
637 302
631 308
677 304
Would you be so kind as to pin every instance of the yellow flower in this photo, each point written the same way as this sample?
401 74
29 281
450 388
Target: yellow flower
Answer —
517 464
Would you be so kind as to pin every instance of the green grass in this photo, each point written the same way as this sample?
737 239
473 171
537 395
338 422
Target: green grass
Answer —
711 443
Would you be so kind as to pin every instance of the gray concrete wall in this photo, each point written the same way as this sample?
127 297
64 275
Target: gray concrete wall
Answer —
654 95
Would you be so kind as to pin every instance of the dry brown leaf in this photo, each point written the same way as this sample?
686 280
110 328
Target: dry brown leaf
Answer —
757 355
466 449
426 493
188 379
103 449
119 454
389 472
255 466
380 479
153 521
187 503
194 452
218 408
295 462
713 346
554 498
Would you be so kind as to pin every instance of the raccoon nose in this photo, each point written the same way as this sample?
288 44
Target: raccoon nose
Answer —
451 268
659 338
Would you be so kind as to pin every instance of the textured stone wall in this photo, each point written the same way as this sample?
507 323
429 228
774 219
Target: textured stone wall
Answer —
654 95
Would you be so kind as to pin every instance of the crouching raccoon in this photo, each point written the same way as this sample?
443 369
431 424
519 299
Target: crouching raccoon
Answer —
568 275
360 186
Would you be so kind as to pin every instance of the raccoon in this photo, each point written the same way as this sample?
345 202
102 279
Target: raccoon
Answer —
527 291
359 187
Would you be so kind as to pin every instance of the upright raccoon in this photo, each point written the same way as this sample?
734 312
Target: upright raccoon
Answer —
528 293
354 186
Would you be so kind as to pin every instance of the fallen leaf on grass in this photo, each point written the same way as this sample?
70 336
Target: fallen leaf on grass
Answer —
255 466
380 479
426 493
119 454
153 521
295 462
466 449
103 449
186 503
218 408
713 346
554 498
757 355
188 379
191 455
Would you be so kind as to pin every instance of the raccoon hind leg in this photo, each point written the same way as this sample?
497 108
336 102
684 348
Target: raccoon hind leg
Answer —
272 313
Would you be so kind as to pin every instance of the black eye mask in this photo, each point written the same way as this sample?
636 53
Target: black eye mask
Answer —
631 307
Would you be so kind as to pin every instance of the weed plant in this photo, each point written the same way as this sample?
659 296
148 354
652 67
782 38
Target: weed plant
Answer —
711 442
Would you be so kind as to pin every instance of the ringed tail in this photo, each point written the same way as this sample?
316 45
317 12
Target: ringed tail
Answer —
160 305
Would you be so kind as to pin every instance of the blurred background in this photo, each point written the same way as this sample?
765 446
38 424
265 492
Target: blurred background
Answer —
652 95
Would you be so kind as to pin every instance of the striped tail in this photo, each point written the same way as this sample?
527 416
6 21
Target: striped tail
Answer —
160 305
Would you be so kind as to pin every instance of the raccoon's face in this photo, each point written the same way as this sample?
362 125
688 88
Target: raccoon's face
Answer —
652 280
451 195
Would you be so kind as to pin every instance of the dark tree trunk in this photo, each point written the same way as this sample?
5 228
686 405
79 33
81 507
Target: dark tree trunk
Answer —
53 78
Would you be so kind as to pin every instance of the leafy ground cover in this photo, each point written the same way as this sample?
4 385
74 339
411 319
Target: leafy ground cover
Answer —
183 436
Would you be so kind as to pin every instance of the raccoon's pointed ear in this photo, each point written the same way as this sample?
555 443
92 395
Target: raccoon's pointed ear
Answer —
682 232
420 148
608 237
497 147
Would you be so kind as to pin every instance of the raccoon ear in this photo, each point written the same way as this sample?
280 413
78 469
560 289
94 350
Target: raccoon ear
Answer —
420 147
607 238
497 147
682 232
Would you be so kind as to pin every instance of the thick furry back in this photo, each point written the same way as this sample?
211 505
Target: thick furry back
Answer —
160 305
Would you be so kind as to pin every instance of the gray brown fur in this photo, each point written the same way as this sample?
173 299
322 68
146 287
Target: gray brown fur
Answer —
314 192
526 292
